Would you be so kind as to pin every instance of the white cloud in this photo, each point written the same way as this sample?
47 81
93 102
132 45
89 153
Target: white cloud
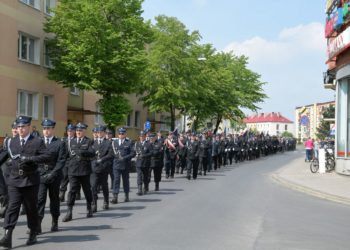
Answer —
291 43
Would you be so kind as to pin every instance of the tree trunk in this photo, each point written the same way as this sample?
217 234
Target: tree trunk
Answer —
172 117
218 121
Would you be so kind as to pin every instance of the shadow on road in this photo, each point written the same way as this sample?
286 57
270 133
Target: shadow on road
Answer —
145 200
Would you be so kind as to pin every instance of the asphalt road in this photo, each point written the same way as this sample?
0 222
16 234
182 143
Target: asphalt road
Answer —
237 207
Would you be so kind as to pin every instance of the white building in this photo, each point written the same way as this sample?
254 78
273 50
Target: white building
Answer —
269 123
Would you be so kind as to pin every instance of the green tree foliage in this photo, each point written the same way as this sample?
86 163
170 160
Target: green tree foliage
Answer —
323 129
99 45
287 134
167 80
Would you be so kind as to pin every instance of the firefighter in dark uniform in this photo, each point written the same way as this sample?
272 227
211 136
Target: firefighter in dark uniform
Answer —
24 153
100 167
51 174
109 136
4 173
192 157
215 151
170 154
123 153
65 180
143 163
203 154
157 146
80 153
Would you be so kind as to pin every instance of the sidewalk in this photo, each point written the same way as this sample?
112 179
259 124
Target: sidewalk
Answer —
297 175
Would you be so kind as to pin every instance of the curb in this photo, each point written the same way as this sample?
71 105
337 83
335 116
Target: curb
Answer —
306 190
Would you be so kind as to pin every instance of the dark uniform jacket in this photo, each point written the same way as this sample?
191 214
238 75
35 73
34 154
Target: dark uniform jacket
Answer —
193 150
123 154
25 173
203 148
157 154
104 156
80 156
143 152
53 169
216 148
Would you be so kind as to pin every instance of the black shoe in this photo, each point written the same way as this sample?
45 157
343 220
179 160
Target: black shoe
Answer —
115 199
157 187
54 225
6 240
94 207
89 213
32 238
68 216
105 206
139 190
205 173
189 177
62 195
78 196
126 197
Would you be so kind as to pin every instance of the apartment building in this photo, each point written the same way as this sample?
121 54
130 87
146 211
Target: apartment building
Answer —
25 89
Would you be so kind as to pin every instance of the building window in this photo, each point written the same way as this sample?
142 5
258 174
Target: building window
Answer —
49 4
286 127
277 127
137 119
98 115
28 48
74 91
128 120
48 107
47 61
32 3
27 104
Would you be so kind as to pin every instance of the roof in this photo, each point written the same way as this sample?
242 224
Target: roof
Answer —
267 117
317 104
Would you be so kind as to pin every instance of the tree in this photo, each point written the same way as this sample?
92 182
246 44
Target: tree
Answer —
323 130
287 134
227 87
167 80
99 45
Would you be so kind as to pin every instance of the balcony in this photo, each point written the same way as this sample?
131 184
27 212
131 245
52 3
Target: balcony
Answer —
329 81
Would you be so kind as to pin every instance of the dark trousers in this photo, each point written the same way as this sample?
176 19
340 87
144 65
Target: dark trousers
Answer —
215 160
53 189
75 182
219 160
192 164
111 174
65 179
157 174
210 161
203 164
170 167
230 157
143 175
29 197
224 158
97 180
124 174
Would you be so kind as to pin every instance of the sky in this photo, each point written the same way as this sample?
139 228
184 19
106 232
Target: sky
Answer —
284 41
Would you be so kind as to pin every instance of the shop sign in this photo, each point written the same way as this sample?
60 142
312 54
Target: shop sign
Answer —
337 44
330 5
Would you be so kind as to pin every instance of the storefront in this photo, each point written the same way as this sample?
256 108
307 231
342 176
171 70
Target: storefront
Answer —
342 150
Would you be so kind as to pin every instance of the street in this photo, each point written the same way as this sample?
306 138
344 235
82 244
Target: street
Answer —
236 207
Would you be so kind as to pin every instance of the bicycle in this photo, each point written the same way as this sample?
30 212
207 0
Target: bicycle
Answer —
330 162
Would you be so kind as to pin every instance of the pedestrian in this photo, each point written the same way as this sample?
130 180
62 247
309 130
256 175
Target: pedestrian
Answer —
109 136
24 153
157 147
316 148
80 154
143 150
100 167
203 155
170 154
309 146
123 153
51 174
70 129
192 157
